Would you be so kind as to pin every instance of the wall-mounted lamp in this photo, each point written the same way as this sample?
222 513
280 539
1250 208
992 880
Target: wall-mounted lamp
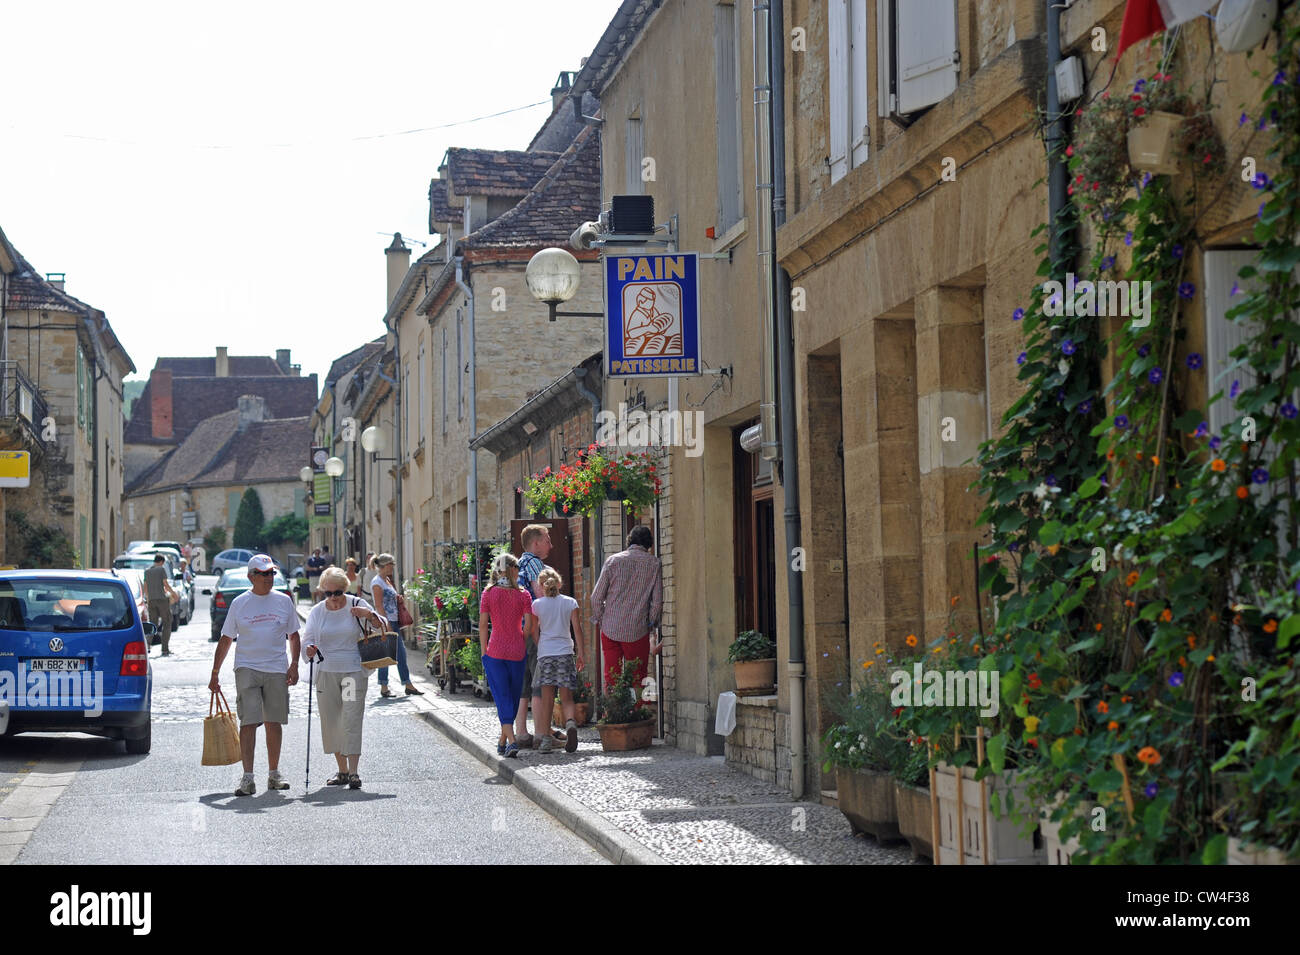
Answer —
553 277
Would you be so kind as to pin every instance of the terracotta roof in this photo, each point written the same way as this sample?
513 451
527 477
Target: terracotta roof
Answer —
216 452
240 365
442 213
567 195
345 363
196 399
493 172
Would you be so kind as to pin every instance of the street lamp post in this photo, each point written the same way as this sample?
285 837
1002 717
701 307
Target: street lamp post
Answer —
374 441
553 277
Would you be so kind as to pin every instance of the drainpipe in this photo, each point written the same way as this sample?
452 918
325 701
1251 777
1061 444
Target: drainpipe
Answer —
770 449
1056 171
471 491
401 448
599 525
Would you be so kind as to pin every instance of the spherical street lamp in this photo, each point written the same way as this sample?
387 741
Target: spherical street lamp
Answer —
305 475
373 440
553 276
334 467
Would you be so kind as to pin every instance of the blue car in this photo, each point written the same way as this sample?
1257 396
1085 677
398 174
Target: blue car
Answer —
74 656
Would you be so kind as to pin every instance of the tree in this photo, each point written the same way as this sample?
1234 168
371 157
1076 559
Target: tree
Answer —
37 546
248 521
288 528
214 541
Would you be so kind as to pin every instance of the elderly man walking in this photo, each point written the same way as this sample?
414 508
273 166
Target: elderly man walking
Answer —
161 596
260 620
626 604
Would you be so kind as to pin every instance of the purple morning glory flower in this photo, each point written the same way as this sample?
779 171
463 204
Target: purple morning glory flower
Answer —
1259 475
1128 238
1067 346
1085 406
1280 78
1060 396
1194 360
1235 389
1235 289
1121 421
1051 480
1144 350
1215 442
1018 314
1139 86
1177 250
1263 121
1013 546
1151 790
1054 301
1297 586
1175 679
1108 263
1146 178
1288 410
1202 430
1104 482
1244 120
1022 358
1261 209
1260 181
1154 375
1187 290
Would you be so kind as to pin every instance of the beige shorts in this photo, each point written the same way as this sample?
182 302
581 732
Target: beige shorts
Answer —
261 697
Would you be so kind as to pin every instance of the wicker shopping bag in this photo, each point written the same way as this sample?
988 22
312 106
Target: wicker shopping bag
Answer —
377 649
220 733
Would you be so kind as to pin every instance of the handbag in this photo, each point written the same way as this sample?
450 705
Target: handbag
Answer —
377 649
404 618
220 733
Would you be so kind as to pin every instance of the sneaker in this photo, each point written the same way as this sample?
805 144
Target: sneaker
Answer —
276 781
570 737
246 785
501 749
512 751
547 745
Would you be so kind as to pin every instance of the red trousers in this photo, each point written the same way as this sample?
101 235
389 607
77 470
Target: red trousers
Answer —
615 653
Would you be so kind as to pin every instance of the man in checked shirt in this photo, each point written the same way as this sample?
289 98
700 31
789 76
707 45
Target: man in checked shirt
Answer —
626 605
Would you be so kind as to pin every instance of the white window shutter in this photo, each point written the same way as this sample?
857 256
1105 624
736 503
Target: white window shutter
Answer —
839 83
1222 335
858 81
927 52
884 61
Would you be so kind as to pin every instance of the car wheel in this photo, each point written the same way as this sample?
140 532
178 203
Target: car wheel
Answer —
139 745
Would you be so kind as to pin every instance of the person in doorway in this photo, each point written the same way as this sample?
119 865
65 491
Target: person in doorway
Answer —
315 564
161 596
259 622
505 622
557 619
333 626
384 593
536 541
354 578
626 605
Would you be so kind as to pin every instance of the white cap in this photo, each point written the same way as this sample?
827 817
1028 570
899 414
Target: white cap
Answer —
261 562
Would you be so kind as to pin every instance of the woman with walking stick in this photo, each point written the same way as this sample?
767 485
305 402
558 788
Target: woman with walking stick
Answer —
334 625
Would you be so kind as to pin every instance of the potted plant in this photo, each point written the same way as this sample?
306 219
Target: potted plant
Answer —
861 752
581 703
623 723
1155 108
753 659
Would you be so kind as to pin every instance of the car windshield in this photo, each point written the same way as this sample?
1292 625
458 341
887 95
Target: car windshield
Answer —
58 604
141 563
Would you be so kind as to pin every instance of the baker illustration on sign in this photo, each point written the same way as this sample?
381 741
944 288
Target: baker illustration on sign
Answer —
649 330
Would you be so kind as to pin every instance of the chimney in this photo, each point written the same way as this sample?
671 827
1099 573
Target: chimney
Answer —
56 279
223 362
399 261
282 359
560 90
160 403
252 409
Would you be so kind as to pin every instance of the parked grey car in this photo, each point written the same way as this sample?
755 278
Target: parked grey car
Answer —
234 557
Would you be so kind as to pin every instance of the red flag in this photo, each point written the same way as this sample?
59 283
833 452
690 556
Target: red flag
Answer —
1141 19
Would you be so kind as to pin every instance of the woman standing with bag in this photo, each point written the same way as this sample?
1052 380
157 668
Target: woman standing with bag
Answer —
385 594
502 614
335 625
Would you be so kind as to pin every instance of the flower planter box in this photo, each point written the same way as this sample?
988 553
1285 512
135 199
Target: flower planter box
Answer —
1151 145
1242 853
620 737
915 820
581 713
866 798
1058 853
969 832
755 674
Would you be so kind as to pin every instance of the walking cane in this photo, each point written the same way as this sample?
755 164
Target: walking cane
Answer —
311 672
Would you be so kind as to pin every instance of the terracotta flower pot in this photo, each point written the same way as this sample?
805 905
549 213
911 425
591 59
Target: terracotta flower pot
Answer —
755 674
618 737
581 712
914 821
866 797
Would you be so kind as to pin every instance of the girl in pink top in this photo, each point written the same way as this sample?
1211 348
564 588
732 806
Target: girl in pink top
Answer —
505 619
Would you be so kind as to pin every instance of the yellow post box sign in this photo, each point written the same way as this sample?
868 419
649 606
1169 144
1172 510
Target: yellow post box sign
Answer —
15 468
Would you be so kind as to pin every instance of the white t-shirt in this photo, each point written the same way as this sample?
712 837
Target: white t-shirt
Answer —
259 626
336 632
554 614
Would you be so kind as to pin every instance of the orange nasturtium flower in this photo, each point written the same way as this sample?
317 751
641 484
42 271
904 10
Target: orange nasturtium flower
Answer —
954 600
1191 640
1132 578
1218 464
867 665
1112 725
1210 658
1243 492
911 639
1125 699
1103 706
1166 615
1097 627
1148 755
1155 460
1270 627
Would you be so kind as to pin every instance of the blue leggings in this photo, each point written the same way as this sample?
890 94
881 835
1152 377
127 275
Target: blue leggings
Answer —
505 678
403 670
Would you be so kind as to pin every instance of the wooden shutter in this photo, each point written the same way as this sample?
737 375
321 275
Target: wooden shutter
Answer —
884 58
857 82
838 29
728 116
926 45
300 502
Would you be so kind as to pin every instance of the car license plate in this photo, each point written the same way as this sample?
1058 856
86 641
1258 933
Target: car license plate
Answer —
57 664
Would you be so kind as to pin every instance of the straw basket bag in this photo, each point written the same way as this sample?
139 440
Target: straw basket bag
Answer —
220 733
377 649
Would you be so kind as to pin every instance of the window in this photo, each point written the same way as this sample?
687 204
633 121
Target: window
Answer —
130 512
1222 335
460 367
406 407
730 204
171 501
634 152
419 405
444 380
917 53
81 389
848 85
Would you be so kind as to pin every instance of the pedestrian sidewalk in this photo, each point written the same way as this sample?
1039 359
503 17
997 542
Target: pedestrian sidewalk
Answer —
658 805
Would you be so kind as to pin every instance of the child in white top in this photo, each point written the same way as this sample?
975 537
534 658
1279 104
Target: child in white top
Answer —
556 665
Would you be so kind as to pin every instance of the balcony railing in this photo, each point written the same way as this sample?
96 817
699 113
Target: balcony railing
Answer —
21 401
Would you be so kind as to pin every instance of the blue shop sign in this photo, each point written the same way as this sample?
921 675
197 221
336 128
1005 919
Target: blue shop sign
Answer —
652 309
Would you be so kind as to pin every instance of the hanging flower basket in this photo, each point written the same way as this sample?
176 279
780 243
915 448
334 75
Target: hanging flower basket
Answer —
1151 146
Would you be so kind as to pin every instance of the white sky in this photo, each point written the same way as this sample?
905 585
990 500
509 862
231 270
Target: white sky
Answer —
193 169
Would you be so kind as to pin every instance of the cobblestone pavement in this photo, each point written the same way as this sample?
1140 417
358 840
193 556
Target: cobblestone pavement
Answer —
686 808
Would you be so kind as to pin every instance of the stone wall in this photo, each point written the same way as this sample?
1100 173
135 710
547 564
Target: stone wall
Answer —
759 745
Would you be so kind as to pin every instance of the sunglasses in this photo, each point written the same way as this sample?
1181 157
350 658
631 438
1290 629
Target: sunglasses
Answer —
333 593
261 573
